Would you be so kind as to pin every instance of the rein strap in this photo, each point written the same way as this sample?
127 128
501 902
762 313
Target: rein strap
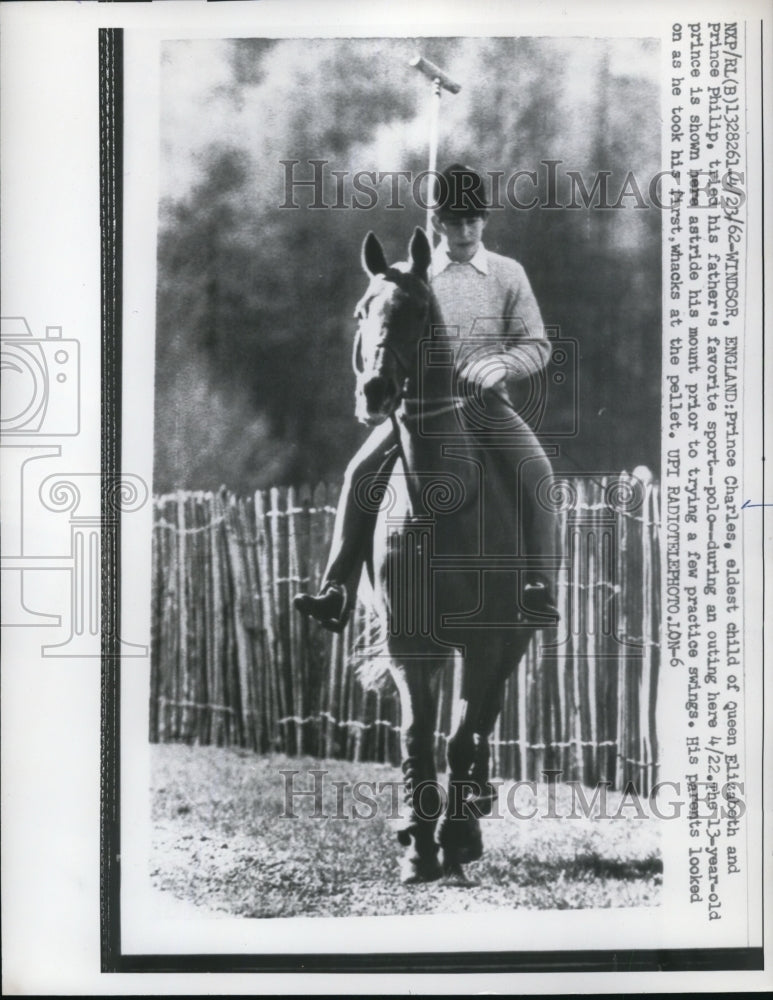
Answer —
428 412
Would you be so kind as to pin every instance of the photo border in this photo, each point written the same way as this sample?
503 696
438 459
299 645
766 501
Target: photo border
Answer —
111 284
111 117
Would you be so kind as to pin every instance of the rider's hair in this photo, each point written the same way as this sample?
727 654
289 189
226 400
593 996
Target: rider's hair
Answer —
460 193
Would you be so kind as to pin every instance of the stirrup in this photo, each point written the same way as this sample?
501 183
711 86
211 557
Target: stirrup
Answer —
330 608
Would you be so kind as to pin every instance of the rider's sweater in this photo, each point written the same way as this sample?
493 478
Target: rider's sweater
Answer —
489 304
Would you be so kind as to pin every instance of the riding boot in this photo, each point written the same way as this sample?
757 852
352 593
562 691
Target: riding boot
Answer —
538 598
330 607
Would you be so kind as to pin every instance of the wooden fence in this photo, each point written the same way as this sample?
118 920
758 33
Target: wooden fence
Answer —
234 664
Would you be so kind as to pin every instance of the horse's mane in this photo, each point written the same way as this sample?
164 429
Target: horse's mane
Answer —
435 315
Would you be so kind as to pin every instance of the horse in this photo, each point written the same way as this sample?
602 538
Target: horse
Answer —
446 559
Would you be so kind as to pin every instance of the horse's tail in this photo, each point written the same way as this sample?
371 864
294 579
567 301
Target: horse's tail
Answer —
370 657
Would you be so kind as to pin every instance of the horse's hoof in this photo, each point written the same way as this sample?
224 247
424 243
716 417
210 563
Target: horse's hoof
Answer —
415 871
453 874
461 840
406 828
464 853
469 852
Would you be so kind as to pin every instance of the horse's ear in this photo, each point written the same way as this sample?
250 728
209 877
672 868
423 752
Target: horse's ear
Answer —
420 252
373 259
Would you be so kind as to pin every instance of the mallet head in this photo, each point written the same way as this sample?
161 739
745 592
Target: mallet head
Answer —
433 72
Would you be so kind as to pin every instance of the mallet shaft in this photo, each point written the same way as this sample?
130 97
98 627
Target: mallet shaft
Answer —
434 122
440 81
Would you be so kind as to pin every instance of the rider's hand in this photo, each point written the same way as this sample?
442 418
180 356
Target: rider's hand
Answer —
484 373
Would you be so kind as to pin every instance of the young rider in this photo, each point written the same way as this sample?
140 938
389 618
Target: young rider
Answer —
489 298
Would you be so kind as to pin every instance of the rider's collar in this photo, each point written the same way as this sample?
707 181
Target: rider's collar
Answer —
441 260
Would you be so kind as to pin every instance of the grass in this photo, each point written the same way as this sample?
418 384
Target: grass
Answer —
221 842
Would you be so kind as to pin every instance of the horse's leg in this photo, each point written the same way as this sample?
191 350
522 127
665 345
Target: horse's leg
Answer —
486 709
470 793
417 684
459 832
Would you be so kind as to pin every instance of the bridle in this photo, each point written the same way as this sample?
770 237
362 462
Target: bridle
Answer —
381 346
411 407
406 369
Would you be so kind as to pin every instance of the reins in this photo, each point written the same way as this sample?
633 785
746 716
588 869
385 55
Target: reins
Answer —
429 413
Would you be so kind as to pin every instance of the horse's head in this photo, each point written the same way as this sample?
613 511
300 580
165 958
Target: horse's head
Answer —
392 317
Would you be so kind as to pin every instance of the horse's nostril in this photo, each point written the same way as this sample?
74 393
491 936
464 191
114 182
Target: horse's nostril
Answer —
375 391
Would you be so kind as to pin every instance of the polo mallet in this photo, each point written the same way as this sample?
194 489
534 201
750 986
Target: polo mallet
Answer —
440 81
